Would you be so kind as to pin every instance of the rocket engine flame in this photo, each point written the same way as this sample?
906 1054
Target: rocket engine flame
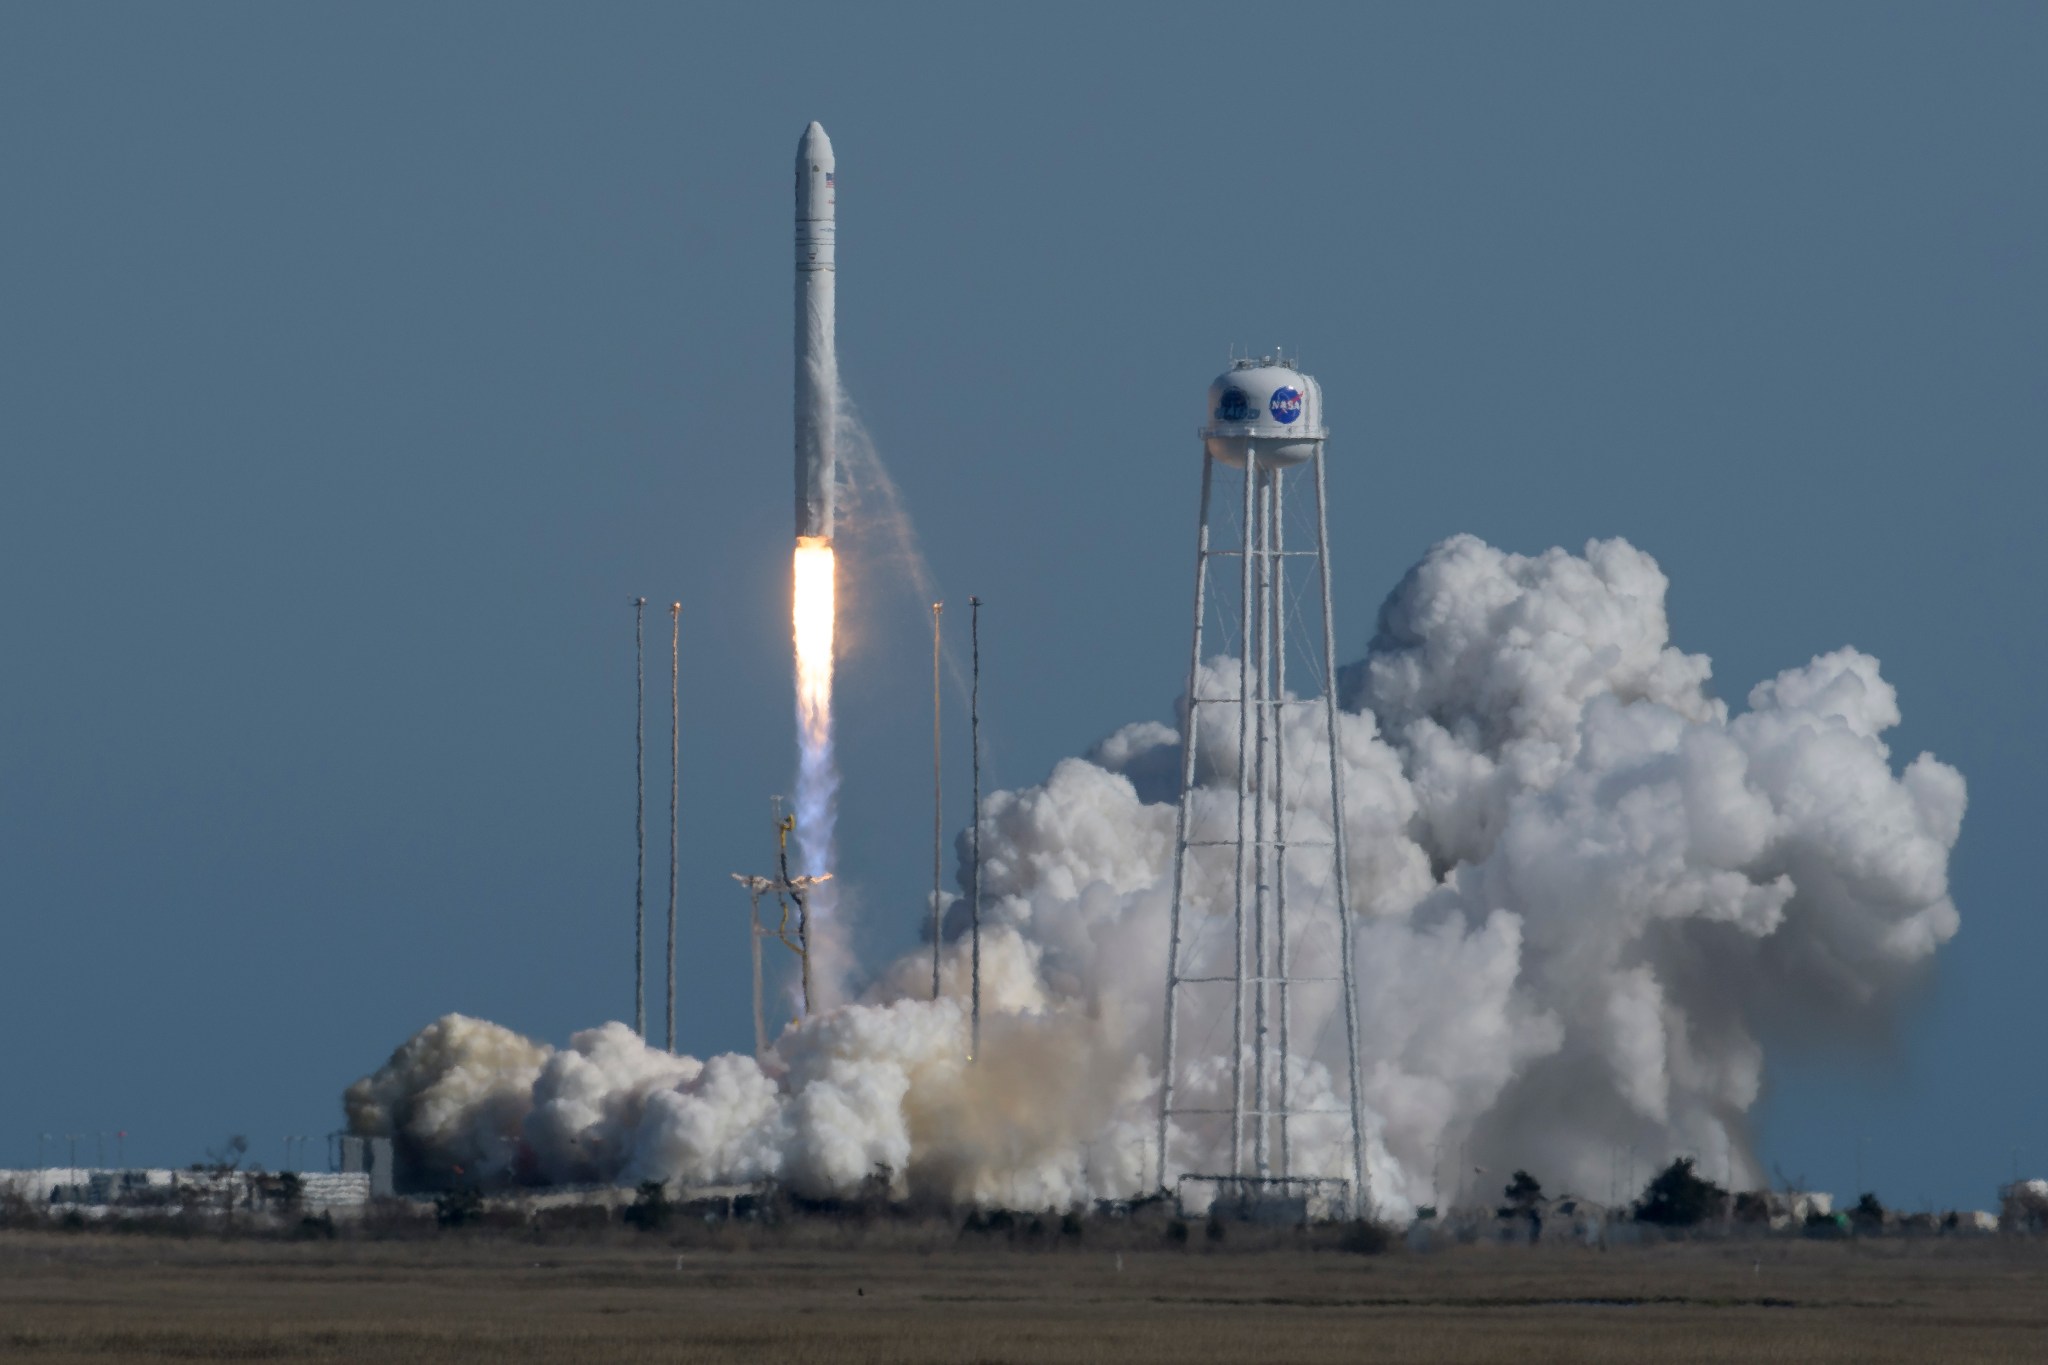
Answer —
812 611
811 619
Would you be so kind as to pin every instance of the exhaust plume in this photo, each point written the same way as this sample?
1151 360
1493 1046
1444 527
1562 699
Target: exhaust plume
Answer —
812 611
1587 897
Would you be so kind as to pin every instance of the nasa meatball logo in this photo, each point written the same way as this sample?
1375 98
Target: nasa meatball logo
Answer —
1233 406
1286 405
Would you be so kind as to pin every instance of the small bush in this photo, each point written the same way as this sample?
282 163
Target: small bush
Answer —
1677 1198
1364 1238
1177 1232
454 1208
1523 1193
1825 1226
650 1208
17 1212
311 1227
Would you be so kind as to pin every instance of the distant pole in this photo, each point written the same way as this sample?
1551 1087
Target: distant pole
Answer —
938 806
640 817
99 1151
974 739
754 933
121 1147
675 719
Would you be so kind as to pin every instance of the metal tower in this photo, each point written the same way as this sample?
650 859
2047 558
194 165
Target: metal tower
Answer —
1260 912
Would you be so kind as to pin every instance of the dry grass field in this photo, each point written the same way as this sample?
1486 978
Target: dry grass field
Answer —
68 1297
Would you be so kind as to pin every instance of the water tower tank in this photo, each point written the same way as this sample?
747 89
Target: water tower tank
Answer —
1264 409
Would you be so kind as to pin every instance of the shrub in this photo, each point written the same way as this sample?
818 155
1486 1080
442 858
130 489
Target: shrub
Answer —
650 1208
1677 1198
1364 1238
16 1211
1523 1193
1753 1206
1525 1203
1825 1226
311 1227
453 1208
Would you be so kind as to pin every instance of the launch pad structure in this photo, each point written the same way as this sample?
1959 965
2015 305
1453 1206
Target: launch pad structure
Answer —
788 890
1265 419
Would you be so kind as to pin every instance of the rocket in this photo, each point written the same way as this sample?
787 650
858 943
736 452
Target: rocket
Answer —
817 364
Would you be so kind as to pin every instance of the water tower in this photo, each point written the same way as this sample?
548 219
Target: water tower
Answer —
1260 944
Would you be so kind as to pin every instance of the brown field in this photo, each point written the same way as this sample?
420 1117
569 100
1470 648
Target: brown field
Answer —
99 1297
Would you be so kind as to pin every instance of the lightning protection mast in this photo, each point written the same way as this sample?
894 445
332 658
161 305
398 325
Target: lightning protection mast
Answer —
640 816
1259 940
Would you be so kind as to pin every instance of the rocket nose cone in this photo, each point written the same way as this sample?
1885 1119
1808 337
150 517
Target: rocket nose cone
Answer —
814 142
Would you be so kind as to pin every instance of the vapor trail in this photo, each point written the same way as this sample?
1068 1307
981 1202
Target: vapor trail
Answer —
874 506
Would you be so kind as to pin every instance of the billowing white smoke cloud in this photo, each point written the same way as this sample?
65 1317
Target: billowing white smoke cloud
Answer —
1584 897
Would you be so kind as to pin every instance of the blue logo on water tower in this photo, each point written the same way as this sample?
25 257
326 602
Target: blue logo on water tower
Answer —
1286 405
1233 406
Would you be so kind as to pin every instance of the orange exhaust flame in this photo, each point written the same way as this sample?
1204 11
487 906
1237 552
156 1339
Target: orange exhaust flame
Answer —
811 618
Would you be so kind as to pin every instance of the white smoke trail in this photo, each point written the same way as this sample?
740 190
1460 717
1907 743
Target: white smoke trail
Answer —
1586 897
872 510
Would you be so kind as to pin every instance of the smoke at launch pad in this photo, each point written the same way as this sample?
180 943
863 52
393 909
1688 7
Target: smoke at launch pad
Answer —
1585 890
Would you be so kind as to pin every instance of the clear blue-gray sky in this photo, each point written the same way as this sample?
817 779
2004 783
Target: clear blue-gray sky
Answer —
359 363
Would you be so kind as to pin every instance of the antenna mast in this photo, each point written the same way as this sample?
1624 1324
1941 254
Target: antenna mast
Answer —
640 817
938 806
974 709
675 717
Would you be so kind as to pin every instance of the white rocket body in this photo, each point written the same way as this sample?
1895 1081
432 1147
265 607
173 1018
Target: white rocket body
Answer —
817 362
